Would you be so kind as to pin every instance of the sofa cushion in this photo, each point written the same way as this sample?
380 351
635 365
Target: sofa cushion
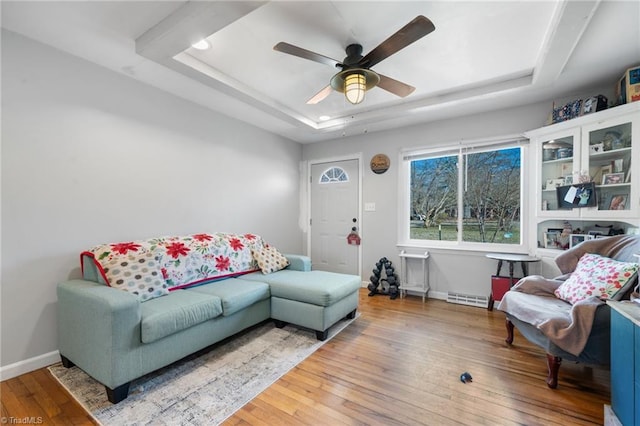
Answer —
315 287
269 259
598 276
177 311
235 293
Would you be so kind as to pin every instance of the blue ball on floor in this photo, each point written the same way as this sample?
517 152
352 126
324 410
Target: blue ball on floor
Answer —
466 377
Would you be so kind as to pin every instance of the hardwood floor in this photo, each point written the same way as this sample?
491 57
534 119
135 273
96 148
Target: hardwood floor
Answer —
37 398
399 363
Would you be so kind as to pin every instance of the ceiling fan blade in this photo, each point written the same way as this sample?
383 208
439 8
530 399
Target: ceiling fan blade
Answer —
394 86
320 96
305 54
413 31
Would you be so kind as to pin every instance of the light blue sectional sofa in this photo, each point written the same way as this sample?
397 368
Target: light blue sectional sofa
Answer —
116 336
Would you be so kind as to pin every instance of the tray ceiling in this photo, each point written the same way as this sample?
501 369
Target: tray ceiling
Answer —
482 55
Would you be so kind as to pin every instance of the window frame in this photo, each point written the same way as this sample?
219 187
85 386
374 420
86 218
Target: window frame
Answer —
460 149
332 180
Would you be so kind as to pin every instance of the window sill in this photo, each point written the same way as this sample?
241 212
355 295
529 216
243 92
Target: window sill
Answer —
449 246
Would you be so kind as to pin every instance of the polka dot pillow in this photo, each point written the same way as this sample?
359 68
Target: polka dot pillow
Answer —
598 276
137 273
269 259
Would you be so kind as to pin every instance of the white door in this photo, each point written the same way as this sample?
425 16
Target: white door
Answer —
334 212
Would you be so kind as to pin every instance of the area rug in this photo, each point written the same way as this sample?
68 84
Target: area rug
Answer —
202 390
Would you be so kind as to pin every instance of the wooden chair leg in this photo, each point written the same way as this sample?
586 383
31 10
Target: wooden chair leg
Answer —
509 338
553 364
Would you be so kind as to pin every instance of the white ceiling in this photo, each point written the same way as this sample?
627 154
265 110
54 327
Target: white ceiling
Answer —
483 55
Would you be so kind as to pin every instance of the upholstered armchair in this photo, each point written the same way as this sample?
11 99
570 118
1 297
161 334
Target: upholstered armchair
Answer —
568 316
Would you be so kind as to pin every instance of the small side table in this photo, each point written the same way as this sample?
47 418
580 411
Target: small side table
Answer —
421 287
511 258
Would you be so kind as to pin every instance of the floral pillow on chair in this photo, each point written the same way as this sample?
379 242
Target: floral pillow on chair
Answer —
598 276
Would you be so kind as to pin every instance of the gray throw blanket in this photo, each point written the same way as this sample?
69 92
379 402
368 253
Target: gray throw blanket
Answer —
568 326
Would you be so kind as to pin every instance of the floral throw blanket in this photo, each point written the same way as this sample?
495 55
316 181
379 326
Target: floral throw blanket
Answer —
153 267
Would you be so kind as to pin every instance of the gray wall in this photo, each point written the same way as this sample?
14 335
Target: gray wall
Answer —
465 272
90 156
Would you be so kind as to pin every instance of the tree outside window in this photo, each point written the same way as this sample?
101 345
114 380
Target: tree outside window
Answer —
487 210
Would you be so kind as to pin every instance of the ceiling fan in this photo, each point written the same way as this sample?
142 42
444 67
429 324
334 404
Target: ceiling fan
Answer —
356 76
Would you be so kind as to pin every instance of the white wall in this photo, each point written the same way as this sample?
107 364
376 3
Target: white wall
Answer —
90 156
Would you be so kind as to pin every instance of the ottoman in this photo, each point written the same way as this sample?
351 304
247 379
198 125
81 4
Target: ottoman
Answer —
311 299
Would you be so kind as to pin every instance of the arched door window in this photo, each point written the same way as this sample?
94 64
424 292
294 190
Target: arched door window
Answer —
334 175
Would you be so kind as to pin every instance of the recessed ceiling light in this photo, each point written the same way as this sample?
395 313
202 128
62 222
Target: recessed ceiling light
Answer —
324 118
201 45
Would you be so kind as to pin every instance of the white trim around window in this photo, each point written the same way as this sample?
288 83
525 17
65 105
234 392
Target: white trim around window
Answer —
527 193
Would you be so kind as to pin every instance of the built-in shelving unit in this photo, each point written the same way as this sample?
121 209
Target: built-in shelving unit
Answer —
591 159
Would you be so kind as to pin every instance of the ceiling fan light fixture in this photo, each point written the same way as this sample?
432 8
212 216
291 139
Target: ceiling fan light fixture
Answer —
355 85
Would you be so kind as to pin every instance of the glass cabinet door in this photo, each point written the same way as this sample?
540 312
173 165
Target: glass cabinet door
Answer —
609 165
557 169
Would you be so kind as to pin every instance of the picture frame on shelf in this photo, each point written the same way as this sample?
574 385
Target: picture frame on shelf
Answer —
593 104
568 180
568 111
597 176
589 105
554 183
575 239
619 202
618 165
605 170
603 201
628 178
551 239
612 178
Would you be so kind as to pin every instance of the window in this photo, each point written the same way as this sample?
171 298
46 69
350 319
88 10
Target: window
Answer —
434 198
334 174
468 196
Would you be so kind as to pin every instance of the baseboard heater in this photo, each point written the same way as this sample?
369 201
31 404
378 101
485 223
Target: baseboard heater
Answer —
468 299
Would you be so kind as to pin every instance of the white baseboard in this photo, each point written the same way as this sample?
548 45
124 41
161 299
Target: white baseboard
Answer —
21 367
431 295
610 418
440 295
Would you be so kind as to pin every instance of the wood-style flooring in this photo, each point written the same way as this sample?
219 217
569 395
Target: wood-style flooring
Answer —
399 363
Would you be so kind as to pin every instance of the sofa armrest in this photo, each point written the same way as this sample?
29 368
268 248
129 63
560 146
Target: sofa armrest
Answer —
299 262
95 324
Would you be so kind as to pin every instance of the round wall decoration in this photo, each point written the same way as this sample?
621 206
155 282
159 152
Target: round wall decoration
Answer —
380 163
